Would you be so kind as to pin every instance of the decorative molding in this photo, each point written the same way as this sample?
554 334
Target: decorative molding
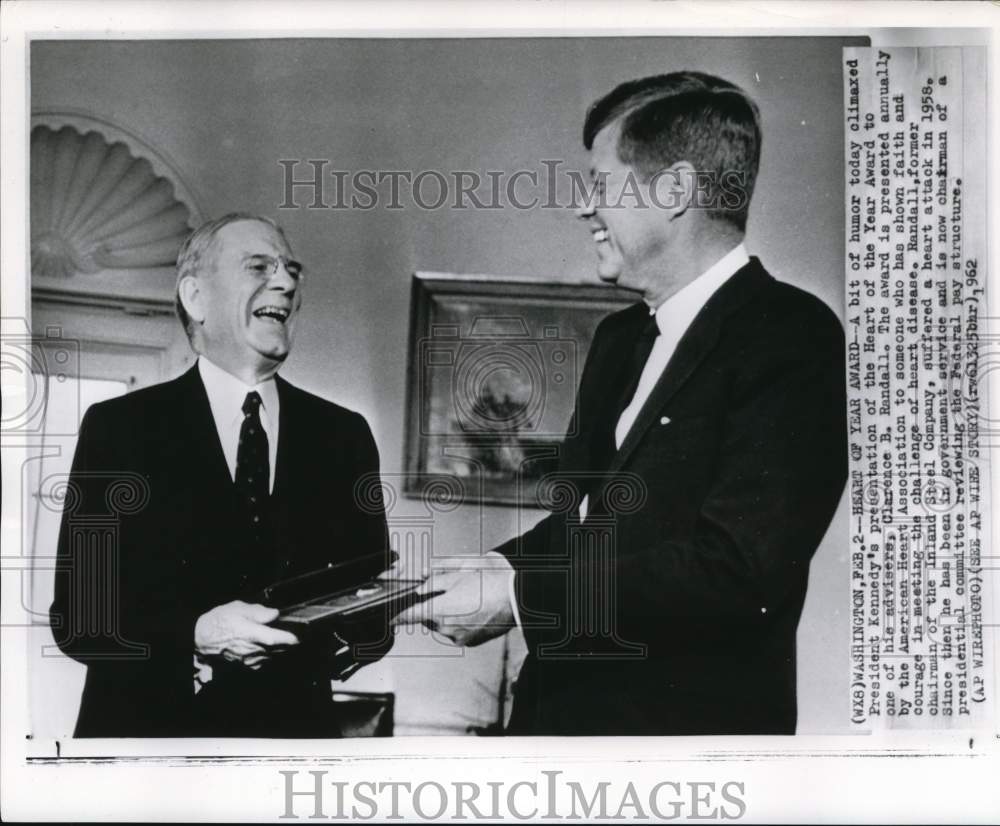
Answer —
163 165
46 297
137 339
95 206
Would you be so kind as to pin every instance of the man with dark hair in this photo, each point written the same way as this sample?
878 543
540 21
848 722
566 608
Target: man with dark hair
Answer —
708 451
187 498
684 116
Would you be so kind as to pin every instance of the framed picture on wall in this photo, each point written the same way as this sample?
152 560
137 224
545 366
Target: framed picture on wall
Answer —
492 375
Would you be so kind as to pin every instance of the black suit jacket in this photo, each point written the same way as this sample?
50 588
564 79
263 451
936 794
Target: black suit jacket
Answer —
673 608
152 537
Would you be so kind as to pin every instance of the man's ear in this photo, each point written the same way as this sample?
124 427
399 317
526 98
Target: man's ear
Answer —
675 189
192 299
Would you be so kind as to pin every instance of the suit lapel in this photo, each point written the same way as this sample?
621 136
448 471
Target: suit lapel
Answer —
696 343
286 439
208 488
594 400
201 434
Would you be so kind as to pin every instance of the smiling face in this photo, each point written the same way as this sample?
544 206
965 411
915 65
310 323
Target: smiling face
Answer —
247 300
631 226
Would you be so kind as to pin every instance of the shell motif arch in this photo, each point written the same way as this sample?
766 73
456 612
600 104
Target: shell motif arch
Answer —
95 206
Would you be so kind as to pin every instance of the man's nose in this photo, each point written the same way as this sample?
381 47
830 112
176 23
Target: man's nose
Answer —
586 210
282 278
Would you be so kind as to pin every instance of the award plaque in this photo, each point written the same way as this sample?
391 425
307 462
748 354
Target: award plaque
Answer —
340 596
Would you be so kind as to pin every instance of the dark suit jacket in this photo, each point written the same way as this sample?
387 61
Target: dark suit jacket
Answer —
673 608
152 537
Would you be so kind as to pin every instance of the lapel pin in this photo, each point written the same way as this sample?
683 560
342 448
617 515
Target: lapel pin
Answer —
664 420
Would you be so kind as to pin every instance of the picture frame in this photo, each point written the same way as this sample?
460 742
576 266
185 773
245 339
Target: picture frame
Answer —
493 367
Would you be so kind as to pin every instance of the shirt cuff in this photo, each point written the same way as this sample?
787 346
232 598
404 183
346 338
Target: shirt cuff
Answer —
202 673
512 595
511 590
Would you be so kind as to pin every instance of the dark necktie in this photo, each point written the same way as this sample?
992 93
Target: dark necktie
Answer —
621 393
633 369
253 467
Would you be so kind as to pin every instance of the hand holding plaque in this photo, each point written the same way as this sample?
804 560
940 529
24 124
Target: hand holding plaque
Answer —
468 600
238 632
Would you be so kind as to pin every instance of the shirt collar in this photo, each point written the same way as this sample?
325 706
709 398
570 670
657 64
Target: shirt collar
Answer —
226 393
679 310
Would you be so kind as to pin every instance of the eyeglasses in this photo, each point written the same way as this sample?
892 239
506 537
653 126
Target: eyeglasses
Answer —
267 265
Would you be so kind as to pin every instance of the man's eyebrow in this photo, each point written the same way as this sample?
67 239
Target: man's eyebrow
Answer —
265 256
251 255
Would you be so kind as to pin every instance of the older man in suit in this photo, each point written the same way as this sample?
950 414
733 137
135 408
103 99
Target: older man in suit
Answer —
707 453
187 498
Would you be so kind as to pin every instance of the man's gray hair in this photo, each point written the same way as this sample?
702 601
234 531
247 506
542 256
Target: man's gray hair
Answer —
196 249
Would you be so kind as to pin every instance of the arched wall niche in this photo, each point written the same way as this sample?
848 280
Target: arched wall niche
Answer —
108 211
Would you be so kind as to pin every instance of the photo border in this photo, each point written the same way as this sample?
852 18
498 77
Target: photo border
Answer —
849 778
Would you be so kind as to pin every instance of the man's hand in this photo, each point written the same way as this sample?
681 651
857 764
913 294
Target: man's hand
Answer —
237 632
474 605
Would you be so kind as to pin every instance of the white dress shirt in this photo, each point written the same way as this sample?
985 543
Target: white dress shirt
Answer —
673 317
226 395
